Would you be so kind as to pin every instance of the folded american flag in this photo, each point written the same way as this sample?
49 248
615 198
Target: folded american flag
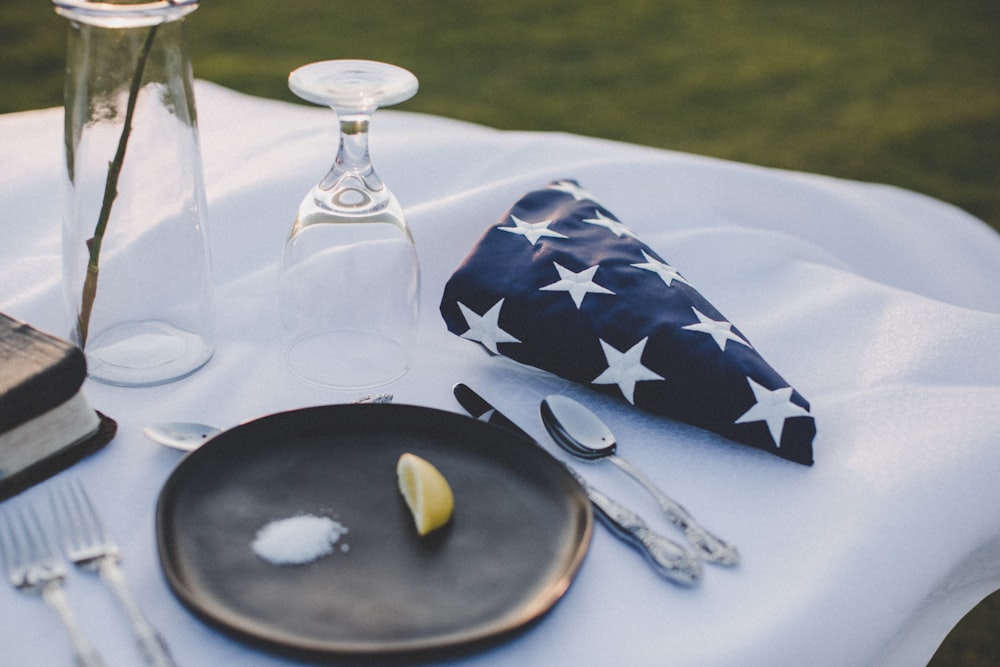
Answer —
560 284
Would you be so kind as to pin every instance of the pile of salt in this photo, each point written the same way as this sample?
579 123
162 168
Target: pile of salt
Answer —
298 539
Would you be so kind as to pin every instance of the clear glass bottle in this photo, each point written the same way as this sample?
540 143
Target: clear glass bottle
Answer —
136 267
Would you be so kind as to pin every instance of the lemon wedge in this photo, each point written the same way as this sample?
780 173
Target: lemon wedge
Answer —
426 492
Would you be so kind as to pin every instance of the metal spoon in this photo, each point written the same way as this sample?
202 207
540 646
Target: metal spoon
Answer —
187 436
581 433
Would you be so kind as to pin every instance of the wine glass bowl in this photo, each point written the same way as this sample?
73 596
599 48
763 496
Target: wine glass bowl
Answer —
349 275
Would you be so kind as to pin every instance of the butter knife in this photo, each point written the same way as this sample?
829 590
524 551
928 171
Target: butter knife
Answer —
669 559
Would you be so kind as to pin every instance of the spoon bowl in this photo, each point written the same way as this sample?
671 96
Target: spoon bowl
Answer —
576 429
188 436
582 433
185 436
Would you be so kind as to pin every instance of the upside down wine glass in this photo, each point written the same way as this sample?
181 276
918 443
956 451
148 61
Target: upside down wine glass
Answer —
349 277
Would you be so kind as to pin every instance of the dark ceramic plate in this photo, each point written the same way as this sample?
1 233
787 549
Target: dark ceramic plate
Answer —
520 530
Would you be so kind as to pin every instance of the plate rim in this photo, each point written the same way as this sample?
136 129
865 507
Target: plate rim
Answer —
514 620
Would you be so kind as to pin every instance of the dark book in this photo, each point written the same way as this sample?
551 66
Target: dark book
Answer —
46 423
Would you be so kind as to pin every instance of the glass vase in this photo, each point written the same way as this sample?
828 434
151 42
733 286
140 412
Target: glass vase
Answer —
136 268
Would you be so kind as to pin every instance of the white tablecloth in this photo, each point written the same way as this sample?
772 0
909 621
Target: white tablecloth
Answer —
881 306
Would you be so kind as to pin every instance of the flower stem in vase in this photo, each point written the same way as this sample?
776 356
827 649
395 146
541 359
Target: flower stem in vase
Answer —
110 194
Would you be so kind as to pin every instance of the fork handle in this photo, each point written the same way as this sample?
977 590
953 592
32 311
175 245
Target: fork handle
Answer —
153 648
84 654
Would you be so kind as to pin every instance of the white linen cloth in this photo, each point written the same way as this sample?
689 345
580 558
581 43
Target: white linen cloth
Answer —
881 306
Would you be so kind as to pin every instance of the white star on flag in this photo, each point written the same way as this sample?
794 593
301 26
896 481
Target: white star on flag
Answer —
625 369
571 188
532 230
773 406
666 272
485 328
719 330
616 228
577 284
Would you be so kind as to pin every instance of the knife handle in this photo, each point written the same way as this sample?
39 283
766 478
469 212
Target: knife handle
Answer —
669 558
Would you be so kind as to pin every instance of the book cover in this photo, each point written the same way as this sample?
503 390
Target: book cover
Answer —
46 423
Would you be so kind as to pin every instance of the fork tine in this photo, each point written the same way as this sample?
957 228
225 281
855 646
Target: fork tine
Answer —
68 524
64 524
16 548
79 524
29 549
38 547
95 529
8 544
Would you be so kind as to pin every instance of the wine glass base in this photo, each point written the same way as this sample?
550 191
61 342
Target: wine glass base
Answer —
347 359
348 85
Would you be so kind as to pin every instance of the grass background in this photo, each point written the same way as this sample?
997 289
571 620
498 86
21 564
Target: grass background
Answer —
905 92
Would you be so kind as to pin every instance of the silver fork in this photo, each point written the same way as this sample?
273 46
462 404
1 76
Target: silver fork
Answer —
33 568
90 547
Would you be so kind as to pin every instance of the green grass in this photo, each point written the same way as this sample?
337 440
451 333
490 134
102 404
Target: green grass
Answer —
905 92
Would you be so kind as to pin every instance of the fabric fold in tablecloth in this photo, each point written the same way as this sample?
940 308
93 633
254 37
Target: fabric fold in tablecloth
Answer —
880 305
559 283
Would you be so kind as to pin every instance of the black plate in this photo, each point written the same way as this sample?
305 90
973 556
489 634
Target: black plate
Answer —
520 530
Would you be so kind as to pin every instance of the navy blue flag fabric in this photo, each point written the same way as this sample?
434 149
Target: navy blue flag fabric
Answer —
559 283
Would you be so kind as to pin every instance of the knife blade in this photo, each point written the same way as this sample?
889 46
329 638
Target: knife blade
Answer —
480 408
669 559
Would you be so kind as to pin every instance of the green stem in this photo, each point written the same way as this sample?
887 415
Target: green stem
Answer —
110 194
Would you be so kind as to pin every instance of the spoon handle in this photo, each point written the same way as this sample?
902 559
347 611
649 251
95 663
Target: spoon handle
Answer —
670 559
710 547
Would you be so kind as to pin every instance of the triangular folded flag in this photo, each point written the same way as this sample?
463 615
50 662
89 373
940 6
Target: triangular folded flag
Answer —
559 283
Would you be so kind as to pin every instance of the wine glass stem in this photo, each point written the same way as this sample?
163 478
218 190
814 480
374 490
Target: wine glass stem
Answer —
352 156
